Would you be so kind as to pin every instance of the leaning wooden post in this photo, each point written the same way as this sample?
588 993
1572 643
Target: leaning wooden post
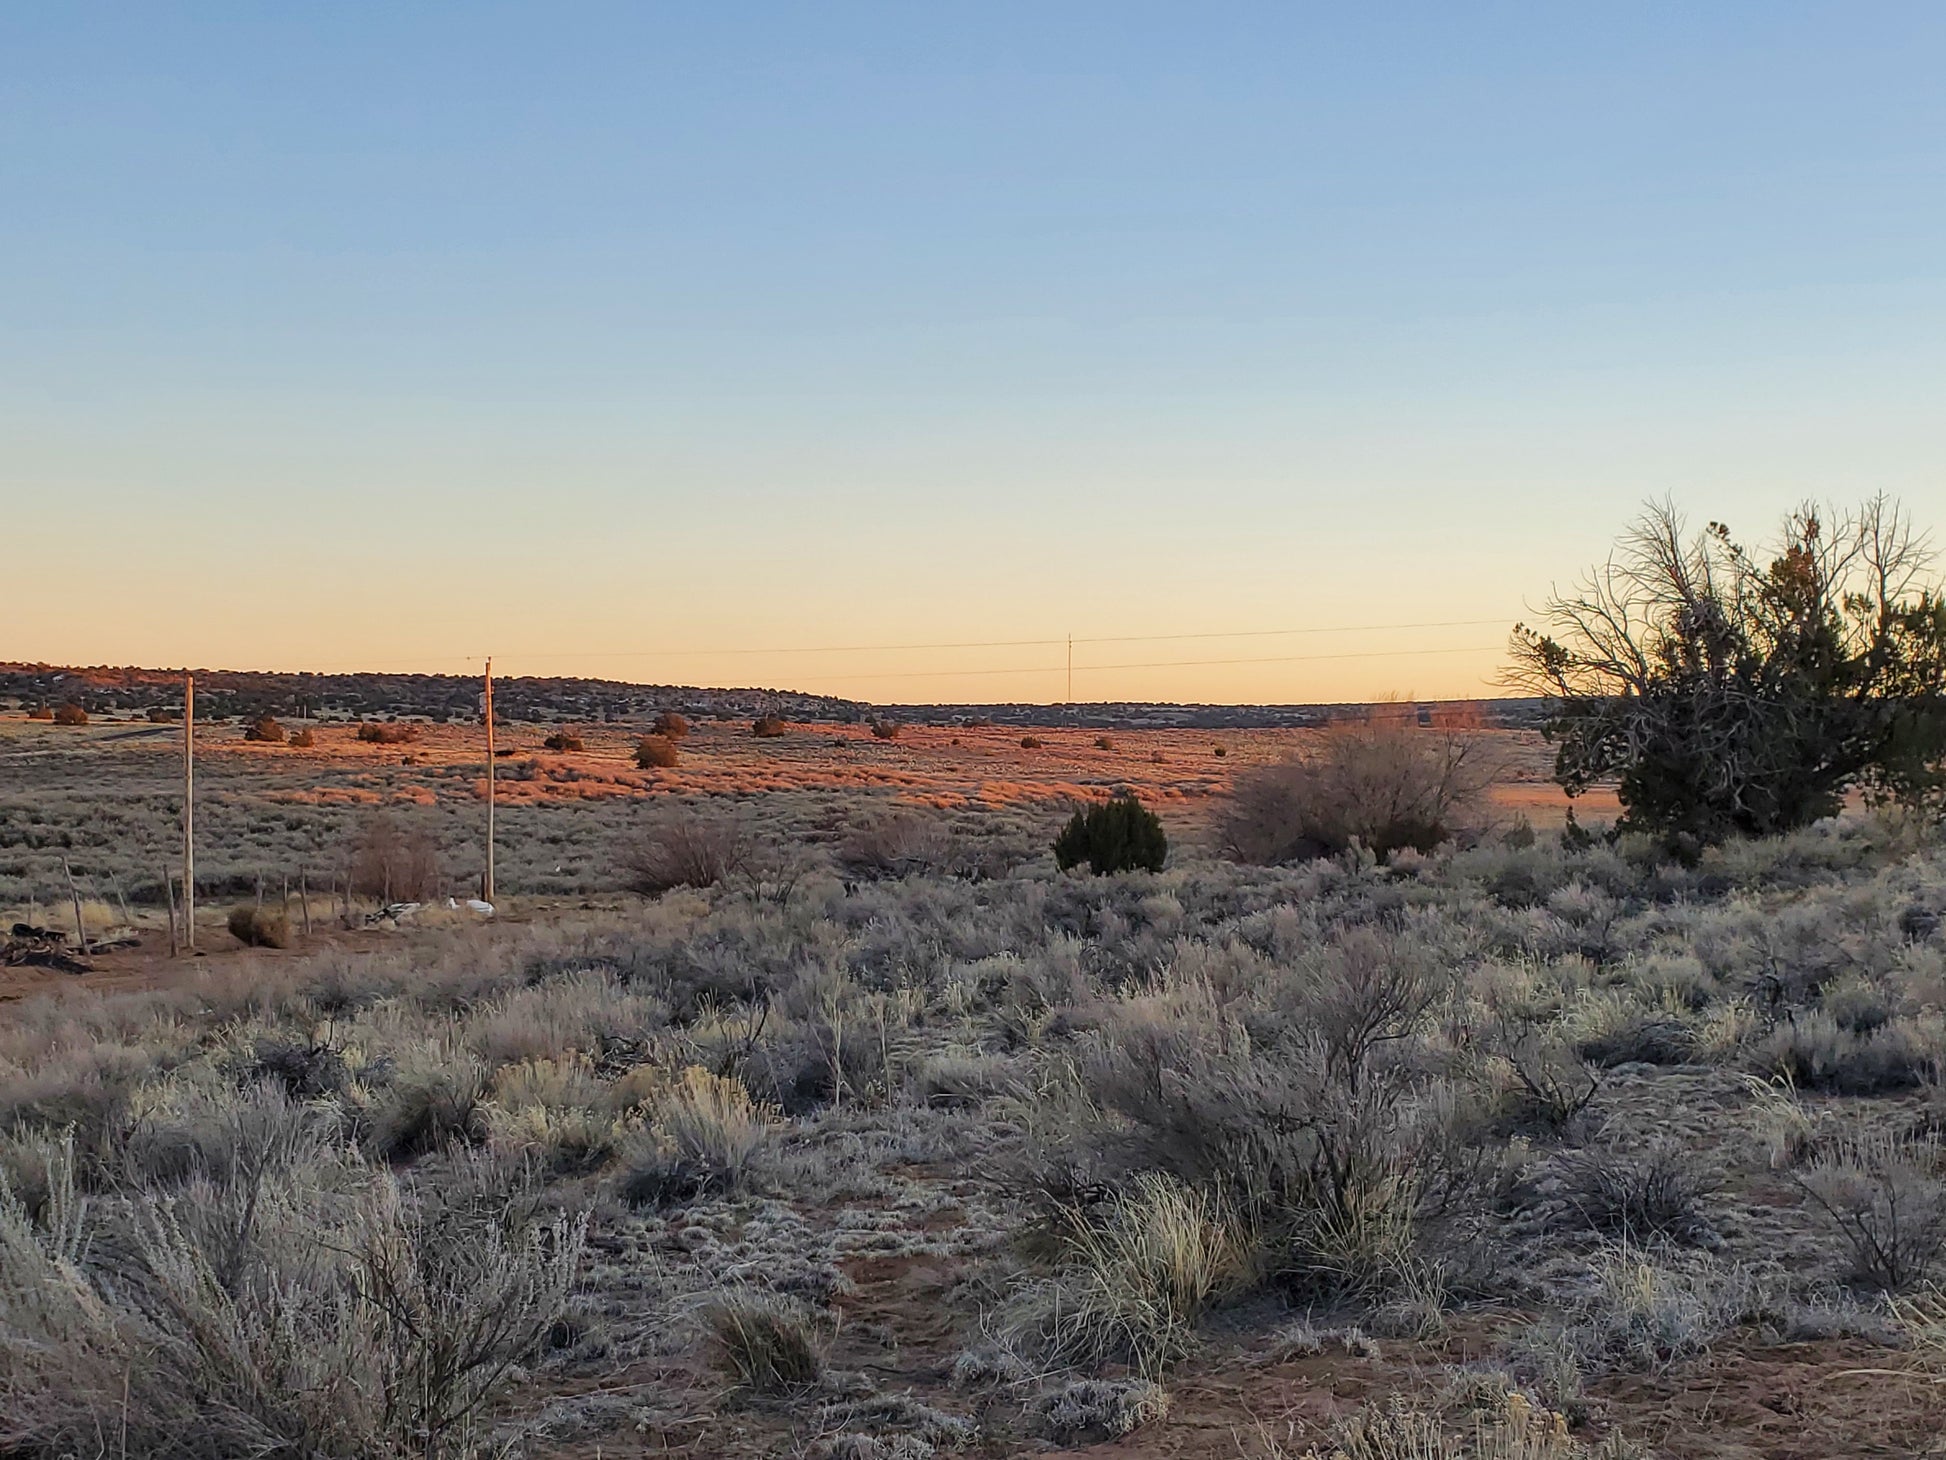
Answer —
74 896
304 899
169 906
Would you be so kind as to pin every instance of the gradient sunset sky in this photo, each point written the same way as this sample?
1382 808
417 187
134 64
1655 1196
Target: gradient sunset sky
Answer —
606 339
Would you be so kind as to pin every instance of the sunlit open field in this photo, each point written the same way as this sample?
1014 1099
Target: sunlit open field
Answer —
108 795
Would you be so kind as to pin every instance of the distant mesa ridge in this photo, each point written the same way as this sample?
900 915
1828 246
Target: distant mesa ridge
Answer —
225 693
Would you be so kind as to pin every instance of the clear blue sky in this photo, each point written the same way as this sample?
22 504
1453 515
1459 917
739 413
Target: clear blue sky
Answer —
340 335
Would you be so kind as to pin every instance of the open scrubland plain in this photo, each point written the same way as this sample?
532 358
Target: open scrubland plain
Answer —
891 1140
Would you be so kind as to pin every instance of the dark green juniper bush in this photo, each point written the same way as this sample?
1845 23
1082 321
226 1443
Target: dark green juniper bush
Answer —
1730 694
1116 835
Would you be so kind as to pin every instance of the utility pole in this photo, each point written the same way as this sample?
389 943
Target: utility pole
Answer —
486 891
1070 699
189 812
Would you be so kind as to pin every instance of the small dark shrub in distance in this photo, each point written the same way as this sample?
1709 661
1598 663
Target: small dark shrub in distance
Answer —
885 729
1031 742
1118 835
1103 742
767 727
265 730
563 740
656 752
40 712
70 714
260 927
670 726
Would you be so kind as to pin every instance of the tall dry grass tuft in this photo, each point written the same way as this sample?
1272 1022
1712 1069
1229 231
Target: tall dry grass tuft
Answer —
1135 1279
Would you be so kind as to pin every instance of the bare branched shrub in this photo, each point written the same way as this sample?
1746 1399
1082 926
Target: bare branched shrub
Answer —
1885 1193
669 725
885 729
684 848
1383 784
767 727
264 729
896 844
69 714
394 863
564 740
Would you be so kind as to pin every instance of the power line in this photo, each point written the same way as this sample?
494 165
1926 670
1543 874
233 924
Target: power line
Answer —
1457 623
1173 663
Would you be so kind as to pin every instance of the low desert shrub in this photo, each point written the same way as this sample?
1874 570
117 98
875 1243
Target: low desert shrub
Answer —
1031 742
767 727
1656 1192
305 739
1642 1316
70 714
1815 1052
669 725
771 1344
563 740
656 752
264 729
1385 785
1307 1108
1090 1411
883 729
375 733
260 927
1885 1194
318 1310
684 848
1104 742
41 712
703 1134
433 1097
1116 835
1513 1430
